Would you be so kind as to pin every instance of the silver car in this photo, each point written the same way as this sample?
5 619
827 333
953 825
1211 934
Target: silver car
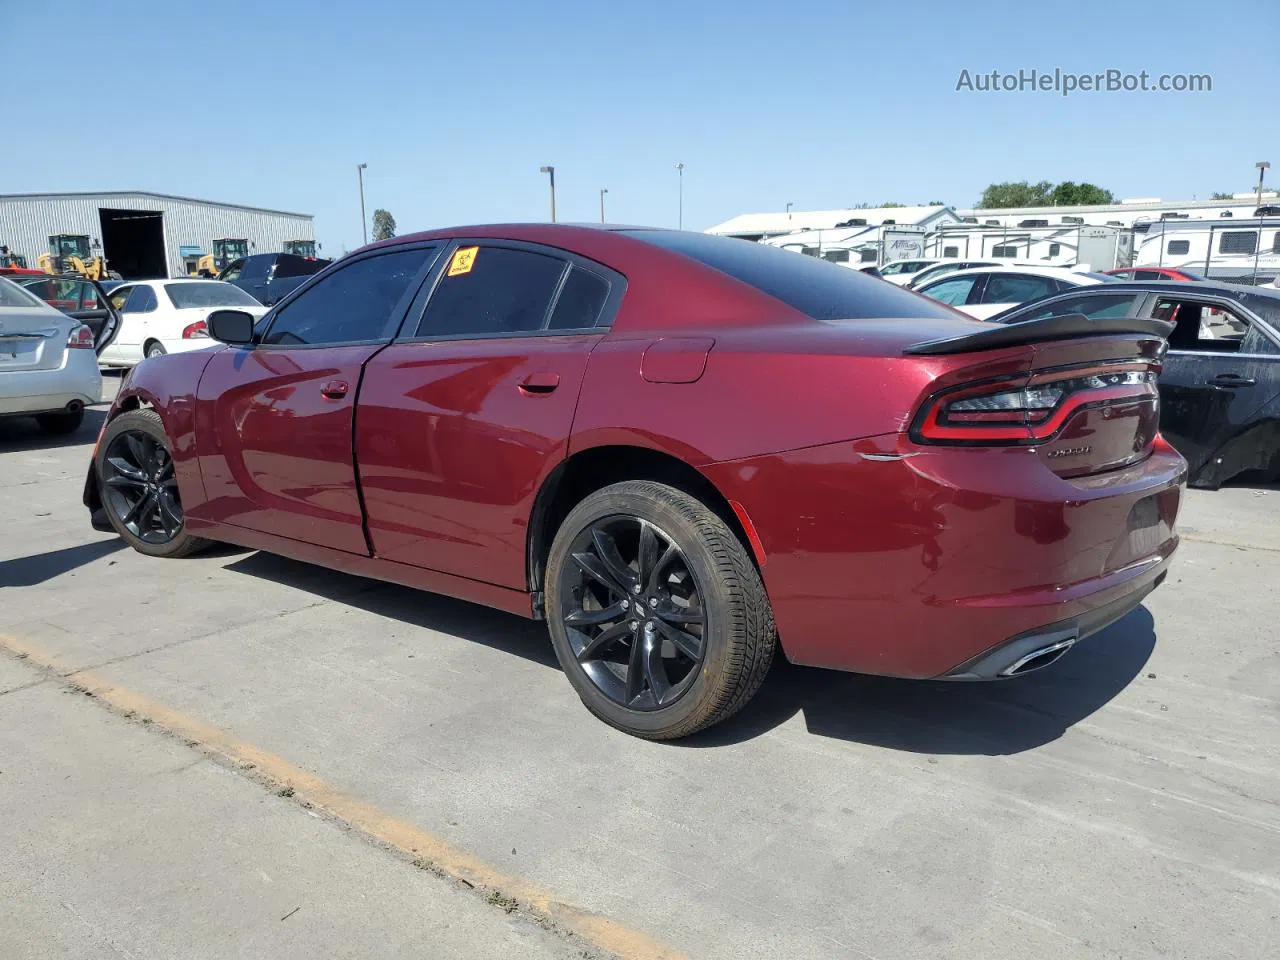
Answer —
48 362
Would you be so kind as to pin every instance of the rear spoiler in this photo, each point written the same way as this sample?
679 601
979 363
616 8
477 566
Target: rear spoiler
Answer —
1070 326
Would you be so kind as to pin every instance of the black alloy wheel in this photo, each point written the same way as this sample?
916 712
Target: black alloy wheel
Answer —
140 489
633 612
656 612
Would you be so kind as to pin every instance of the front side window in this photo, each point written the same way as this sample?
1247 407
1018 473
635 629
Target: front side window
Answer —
1201 327
195 294
355 304
954 291
487 291
1012 288
1178 248
1238 241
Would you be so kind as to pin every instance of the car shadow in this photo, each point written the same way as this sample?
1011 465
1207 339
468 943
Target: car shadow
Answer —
934 717
493 628
916 716
38 568
18 434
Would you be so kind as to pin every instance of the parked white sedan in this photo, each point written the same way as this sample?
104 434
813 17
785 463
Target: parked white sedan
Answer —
168 316
985 291
48 368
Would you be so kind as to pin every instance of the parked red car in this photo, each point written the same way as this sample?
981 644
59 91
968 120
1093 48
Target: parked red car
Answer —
676 448
1153 273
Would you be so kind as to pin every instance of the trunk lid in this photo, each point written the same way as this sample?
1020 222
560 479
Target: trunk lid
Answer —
33 339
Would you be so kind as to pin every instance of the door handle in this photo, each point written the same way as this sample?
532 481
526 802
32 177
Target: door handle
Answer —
1232 380
334 389
539 384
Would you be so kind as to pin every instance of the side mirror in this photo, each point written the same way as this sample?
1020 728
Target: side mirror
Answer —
231 326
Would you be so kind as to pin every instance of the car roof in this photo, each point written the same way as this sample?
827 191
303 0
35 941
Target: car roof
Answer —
1057 273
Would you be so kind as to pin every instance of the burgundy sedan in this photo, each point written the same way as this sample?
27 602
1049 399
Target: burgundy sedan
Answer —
679 450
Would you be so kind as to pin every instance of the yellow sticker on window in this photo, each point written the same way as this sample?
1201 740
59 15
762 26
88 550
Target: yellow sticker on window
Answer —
464 258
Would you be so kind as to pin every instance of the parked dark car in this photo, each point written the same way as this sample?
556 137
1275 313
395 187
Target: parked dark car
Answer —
679 450
1220 386
270 277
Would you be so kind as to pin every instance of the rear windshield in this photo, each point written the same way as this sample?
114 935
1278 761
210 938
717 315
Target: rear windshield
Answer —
12 295
823 290
211 294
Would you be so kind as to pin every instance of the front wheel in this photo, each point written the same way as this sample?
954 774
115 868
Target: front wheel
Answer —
657 615
139 488
155 349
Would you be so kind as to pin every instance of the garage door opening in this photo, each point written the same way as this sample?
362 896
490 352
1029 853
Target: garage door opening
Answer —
133 243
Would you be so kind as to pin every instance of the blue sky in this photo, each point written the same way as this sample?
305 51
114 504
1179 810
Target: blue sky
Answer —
456 105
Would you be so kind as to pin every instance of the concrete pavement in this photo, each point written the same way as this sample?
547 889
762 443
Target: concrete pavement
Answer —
1125 803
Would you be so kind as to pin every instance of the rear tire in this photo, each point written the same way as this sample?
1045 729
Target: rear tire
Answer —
694 619
139 488
154 348
61 423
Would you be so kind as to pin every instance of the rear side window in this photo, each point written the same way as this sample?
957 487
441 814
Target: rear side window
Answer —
581 299
1095 306
824 291
141 300
291 266
352 305
254 268
488 291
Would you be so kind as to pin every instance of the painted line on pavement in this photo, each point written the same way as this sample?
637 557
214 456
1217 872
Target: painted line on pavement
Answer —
312 792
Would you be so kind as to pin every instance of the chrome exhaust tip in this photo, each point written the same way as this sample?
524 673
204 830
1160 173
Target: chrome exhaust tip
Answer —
1038 658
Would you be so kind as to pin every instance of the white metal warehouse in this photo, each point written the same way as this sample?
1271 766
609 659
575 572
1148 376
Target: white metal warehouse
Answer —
141 234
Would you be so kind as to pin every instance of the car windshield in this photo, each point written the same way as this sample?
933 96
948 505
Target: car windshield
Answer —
193 294
824 291
12 295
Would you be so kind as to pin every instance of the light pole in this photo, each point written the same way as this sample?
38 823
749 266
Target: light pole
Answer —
680 215
603 191
789 206
364 224
1263 166
551 173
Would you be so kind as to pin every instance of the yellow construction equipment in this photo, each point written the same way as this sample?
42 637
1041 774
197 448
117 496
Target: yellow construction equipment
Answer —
224 252
69 253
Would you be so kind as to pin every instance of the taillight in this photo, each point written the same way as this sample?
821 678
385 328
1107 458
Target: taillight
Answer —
81 338
1029 410
197 329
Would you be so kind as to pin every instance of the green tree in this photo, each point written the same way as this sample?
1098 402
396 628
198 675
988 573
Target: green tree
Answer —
1068 194
1221 196
384 224
1020 194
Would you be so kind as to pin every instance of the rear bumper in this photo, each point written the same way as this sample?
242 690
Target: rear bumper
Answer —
1043 646
77 381
888 558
